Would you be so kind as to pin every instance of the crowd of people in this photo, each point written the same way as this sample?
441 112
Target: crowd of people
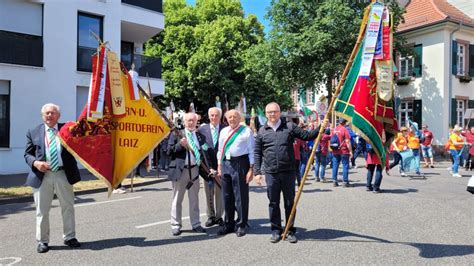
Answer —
229 157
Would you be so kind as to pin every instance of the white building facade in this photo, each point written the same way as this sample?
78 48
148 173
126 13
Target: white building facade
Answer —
45 56
434 85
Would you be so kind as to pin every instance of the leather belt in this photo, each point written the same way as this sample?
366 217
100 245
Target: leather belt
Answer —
192 166
236 158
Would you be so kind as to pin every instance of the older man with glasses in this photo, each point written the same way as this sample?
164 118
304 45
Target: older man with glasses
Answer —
274 160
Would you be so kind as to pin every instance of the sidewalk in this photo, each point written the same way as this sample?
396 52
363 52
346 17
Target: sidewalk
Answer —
18 180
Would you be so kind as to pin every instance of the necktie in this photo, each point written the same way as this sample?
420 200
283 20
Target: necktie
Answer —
53 151
214 136
194 147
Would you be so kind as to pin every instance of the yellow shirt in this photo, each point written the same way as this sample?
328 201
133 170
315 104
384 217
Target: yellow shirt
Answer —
400 142
455 138
413 141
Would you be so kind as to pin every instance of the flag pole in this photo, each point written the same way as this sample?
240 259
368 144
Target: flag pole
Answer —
324 122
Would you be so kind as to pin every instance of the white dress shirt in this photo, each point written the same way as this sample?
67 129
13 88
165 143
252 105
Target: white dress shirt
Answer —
193 159
47 141
243 144
276 126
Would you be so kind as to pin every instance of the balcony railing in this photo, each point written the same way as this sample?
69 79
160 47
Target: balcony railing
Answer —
145 64
155 5
21 49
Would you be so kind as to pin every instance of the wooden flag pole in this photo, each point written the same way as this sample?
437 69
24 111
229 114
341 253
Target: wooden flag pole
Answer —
323 124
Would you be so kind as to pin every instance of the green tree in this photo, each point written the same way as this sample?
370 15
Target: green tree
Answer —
311 40
204 51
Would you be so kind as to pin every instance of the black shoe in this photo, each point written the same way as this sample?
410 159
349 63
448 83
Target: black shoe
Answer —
220 222
42 247
224 230
377 191
73 243
240 232
210 222
368 189
176 231
317 179
291 237
335 184
199 229
276 237
346 184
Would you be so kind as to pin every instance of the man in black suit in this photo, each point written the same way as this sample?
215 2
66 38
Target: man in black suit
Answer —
187 150
215 203
53 171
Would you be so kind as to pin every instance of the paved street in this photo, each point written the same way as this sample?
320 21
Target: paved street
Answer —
413 221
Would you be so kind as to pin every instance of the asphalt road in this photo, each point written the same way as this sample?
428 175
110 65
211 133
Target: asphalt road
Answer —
413 221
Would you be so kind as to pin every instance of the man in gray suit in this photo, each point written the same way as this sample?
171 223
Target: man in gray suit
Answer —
53 171
215 203
187 150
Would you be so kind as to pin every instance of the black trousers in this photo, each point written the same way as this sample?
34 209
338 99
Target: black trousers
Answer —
397 158
235 191
276 184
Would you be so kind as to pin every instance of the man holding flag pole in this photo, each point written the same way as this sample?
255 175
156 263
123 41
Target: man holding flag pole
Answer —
364 95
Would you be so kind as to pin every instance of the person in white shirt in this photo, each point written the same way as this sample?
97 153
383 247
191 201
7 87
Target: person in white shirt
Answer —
235 167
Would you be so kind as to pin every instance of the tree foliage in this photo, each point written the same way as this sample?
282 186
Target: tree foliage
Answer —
311 40
204 51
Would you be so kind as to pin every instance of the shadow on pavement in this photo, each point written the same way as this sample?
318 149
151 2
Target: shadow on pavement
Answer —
400 191
426 250
316 190
135 242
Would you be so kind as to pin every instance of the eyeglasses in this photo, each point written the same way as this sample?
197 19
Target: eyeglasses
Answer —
272 112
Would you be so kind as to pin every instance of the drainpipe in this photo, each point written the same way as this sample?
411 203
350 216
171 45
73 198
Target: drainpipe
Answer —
450 83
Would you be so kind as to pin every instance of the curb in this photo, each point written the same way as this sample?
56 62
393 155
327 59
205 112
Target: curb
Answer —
78 193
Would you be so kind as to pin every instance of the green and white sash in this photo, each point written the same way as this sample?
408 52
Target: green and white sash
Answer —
231 140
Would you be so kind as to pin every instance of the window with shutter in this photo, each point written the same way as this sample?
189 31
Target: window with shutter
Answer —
461 59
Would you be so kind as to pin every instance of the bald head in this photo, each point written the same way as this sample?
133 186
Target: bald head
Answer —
233 118
272 112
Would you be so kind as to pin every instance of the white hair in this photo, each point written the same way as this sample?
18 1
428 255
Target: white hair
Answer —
43 109
233 111
219 110
188 116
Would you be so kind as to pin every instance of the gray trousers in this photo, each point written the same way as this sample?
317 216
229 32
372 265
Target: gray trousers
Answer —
54 182
214 200
179 189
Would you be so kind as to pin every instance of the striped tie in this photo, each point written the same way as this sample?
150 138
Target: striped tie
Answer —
214 136
194 147
53 151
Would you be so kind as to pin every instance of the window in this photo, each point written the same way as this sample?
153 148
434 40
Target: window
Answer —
461 58
21 37
87 26
406 66
405 112
309 96
4 113
460 109
411 65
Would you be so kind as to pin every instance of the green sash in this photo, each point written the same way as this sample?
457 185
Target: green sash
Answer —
231 140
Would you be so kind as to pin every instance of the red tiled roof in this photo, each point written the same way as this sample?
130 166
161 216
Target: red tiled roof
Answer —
424 12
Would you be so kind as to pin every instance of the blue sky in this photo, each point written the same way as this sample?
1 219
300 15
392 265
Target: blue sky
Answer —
257 7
